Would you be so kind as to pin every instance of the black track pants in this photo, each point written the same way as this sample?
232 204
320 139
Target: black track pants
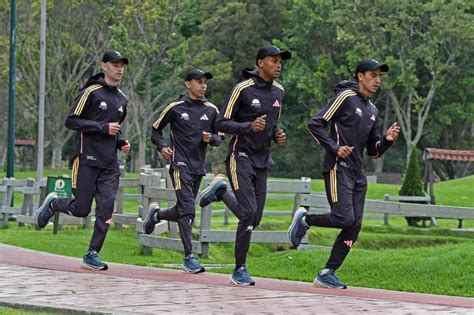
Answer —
88 183
346 196
186 186
249 185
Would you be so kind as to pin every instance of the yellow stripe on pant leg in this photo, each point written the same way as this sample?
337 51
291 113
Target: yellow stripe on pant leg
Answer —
176 180
75 169
233 171
333 184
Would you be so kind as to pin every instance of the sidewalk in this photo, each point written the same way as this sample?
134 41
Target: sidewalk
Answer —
40 281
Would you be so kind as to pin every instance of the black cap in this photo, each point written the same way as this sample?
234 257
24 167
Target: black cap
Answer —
370 64
271 50
114 56
197 73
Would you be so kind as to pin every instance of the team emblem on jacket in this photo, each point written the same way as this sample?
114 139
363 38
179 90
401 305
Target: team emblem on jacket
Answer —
204 117
359 112
256 103
276 104
185 116
103 105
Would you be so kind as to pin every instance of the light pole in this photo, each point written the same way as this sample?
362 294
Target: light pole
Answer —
40 142
11 93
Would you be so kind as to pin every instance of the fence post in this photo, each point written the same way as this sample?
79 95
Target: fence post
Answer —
27 200
206 215
385 215
119 197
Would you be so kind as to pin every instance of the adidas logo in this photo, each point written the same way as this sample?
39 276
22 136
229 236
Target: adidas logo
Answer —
204 117
276 104
348 243
373 117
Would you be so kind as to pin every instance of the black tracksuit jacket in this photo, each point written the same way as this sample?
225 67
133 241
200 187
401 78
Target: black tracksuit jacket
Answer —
353 122
97 105
188 119
248 100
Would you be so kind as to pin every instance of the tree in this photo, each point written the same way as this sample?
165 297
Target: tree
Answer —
148 32
422 42
4 61
70 60
412 184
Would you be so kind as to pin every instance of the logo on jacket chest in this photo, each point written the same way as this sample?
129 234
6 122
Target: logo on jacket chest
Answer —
184 116
358 112
103 105
255 103
204 117
276 104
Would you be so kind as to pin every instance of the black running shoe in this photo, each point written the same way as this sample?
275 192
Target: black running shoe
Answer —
191 265
152 218
46 211
297 229
92 261
208 195
327 279
240 276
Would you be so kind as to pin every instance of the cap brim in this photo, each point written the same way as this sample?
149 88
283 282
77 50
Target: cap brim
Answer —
125 60
208 76
383 67
285 55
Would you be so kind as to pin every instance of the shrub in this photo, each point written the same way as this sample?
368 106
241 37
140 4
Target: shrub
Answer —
412 185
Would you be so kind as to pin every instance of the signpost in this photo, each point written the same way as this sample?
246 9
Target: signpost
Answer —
63 187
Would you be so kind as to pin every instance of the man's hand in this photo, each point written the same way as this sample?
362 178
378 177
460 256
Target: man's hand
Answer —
280 137
206 136
258 125
344 151
114 128
392 132
167 153
126 147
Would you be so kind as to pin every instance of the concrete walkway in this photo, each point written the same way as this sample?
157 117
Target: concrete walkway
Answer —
40 281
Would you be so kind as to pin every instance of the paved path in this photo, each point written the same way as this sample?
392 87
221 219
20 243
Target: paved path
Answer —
36 280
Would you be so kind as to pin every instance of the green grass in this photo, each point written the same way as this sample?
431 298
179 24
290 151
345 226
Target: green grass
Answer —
14 311
396 257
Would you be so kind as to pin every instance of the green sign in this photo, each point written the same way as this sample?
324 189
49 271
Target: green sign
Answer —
61 185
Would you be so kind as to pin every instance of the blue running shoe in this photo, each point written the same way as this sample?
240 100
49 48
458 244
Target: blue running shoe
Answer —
152 217
240 276
46 211
297 229
208 195
327 279
92 261
191 265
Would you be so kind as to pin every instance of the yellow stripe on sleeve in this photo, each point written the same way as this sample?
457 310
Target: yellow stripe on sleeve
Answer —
163 113
278 85
235 94
82 101
337 102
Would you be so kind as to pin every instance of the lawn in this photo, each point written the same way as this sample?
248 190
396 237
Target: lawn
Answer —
396 257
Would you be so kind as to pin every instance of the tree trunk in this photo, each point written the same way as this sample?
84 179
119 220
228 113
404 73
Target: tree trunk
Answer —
141 150
56 160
